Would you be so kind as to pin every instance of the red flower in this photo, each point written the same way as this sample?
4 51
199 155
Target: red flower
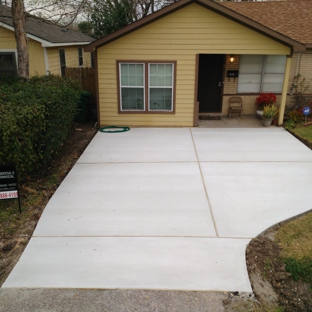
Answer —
265 99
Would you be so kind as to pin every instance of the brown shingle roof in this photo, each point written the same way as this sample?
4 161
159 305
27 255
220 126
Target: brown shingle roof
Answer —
45 30
291 18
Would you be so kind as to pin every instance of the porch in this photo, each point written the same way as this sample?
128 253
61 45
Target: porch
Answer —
234 122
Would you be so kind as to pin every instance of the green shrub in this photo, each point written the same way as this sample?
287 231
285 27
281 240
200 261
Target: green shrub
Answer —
295 115
289 124
35 119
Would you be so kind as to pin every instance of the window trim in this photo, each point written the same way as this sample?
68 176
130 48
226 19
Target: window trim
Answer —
146 87
80 57
61 66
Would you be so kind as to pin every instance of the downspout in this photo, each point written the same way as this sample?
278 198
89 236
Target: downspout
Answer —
284 93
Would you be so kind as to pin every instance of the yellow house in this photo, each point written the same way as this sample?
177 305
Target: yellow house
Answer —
51 47
189 58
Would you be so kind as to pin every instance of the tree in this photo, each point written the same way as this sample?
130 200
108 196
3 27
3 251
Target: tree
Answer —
85 27
63 12
19 23
110 15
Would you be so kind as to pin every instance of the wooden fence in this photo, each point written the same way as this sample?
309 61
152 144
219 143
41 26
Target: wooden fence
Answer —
86 77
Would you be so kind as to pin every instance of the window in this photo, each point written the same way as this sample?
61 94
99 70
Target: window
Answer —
160 86
80 56
8 64
62 61
261 73
132 86
146 87
92 60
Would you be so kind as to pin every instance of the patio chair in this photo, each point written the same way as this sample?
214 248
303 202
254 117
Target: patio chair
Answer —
235 106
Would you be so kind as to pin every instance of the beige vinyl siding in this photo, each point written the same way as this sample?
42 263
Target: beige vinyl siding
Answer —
71 55
179 37
86 59
54 61
7 40
35 50
36 59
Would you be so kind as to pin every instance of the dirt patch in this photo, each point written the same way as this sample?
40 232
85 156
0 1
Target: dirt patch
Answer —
265 266
41 186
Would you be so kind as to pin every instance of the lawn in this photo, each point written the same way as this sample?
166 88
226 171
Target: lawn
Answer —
304 133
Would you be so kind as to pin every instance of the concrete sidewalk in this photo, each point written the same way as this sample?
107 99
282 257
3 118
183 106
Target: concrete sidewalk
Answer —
166 209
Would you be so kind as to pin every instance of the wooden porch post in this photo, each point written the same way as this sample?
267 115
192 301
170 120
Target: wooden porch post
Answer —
284 93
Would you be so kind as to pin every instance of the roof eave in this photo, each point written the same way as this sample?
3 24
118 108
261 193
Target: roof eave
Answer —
46 43
214 6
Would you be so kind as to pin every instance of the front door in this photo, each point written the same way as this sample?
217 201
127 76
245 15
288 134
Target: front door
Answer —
210 83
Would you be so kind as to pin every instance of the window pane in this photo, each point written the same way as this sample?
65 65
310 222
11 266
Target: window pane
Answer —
273 83
168 81
80 56
250 71
160 75
249 83
124 69
132 98
7 64
124 80
160 99
257 70
275 64
250 68
131 75
62 61
274 69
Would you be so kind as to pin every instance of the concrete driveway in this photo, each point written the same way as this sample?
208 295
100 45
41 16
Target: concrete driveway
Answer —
166 209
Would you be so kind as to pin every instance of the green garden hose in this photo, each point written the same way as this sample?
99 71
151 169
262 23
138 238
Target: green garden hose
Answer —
121 129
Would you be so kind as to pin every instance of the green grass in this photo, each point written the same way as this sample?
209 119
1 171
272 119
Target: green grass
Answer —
295 239
304 132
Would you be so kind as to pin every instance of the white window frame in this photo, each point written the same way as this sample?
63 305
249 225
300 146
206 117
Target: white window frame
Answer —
160 87
147 87
138 109
261 79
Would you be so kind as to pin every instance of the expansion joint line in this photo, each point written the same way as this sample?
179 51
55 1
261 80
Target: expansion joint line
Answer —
206 191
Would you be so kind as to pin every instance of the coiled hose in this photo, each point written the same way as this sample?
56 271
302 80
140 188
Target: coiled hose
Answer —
117 129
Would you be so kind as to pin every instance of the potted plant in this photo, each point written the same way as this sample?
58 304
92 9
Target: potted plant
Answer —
262 100
269 112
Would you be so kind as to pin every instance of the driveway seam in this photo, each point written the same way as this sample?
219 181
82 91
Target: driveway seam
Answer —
206 191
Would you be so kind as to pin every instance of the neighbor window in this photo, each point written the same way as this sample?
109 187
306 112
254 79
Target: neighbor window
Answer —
8 64
261 73
80 57
146 87
62 61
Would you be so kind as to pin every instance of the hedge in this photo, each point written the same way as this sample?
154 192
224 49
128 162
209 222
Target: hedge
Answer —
35 119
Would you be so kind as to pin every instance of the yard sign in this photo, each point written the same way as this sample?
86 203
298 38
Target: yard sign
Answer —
8 184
